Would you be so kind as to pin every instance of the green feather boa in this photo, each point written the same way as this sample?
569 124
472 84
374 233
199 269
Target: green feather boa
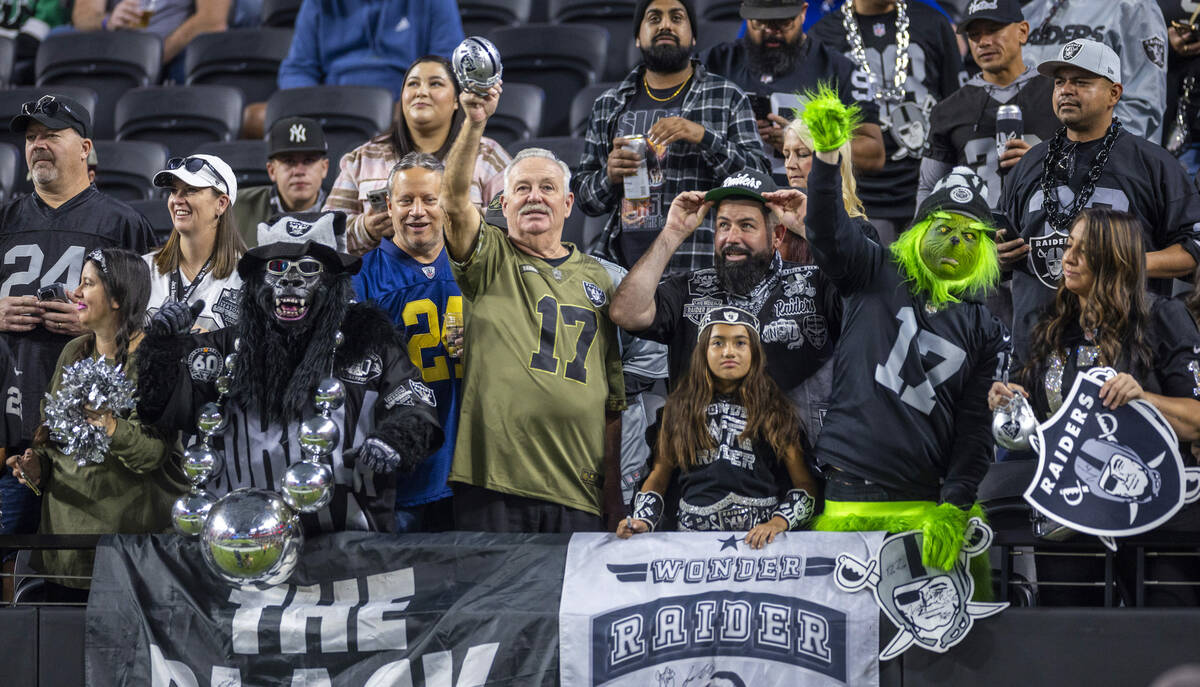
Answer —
906 251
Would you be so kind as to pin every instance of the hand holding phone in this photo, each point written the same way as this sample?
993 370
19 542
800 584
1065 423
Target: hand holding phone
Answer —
53 292
378 199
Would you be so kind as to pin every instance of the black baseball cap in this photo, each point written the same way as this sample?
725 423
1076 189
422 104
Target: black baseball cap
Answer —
748 183
55 112
296 135
771 9
999 11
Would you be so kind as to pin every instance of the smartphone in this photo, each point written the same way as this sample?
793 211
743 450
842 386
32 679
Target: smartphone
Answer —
53 292
378 199
761 105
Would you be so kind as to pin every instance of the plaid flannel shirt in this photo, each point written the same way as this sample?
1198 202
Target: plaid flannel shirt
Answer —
730 144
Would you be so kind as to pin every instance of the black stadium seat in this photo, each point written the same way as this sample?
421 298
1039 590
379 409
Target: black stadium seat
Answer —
481 16
158 213
180 117
245 58
8 53
10 106
125 169
615 16
349 115
718 10
582 103
561 59
569 149
248 159
11 160
108 62
280 13
518 115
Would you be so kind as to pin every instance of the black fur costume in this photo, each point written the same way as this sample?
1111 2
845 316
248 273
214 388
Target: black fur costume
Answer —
278 367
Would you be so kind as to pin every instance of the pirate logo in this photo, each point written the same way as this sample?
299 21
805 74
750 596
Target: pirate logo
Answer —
931 607
1070 50
362 371
1110 473
797 284
595 294
1156 51
703 283
815 330
423 392
1046 256
909 125
297 228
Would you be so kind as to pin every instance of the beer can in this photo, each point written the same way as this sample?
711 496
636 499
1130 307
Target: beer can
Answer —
637 185
1009 125
453 326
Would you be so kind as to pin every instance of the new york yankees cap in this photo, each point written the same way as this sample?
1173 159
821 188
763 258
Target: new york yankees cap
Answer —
296 135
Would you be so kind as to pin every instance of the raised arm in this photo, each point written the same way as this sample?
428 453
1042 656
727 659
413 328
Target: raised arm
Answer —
462 227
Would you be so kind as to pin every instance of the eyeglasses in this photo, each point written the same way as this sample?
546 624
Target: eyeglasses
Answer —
308 267
49 106
194 165
774 24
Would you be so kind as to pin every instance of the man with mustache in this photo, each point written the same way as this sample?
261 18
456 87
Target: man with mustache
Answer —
798 307
297 162
1091 161
698 128
776 57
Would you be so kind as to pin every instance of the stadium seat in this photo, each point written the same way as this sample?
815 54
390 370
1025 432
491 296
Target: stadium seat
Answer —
718 10
125 169
248 159
568 148
280 13
10 106
8 52
108 62
713 32
518 115
481 16
179 117
615 16
582 104
10 161
156 211
245 58
349 115
561 59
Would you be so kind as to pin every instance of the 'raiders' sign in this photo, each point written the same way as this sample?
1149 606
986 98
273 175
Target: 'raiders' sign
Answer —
1046 256
1111 473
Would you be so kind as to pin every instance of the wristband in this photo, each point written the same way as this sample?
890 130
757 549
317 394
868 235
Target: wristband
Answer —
796 508
648 506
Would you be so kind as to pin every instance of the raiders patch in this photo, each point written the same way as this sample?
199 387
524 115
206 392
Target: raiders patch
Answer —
1156 51
960 194
595 294
228 305
698 308
1045 257
1070 50
297 228
204 364
400 396
703 283
423 392
783 331
363 371
590 477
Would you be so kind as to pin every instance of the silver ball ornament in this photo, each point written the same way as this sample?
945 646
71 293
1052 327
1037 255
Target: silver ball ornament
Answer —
1013 423
252 538
211 419
319 435
338 338
231 361
307 486
237 344
190 511
201 462
223 384
329 395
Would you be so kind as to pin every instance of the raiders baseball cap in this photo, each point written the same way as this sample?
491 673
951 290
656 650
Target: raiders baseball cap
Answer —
748 183
962 192
999 11
771 9
1087 55
727 315
55 112
201 171
296 135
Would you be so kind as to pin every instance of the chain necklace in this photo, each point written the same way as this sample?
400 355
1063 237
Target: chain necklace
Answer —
1060 220
1180 131
858 52
667 99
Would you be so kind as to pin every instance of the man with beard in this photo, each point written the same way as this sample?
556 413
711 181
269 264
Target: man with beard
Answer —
298 326
799 308
698 128
775 57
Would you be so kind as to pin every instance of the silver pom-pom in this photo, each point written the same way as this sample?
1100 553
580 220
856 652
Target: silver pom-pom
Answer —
319 435
190 511
307 486
211 419
251 537
329 396
98 385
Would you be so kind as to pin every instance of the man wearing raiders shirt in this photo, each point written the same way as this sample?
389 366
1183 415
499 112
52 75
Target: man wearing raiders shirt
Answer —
1092 162
1133 28
776 57
799 309
905 83
963 126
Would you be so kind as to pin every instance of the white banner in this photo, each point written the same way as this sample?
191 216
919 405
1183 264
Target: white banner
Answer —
700 609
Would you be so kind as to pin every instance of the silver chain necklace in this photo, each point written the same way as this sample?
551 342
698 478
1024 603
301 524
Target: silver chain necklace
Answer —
858 52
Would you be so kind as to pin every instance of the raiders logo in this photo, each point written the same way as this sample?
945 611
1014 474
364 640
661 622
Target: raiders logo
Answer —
698 308
1110 473
1156 51
961 194
595 294
297 228
703 283
931 607
797 284
815 330
363 371
204 364
1070 50
423 392
229 306
1045 257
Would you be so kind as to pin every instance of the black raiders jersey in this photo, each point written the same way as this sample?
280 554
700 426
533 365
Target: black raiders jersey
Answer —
42 245
10 393
1140 178
910 397
738 465
935 69
963 126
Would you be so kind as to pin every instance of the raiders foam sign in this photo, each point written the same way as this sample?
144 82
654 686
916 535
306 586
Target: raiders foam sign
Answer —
931 607
1046 256
1111 473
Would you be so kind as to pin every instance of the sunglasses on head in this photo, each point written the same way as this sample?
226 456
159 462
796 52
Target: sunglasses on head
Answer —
49 106
308 267
194 165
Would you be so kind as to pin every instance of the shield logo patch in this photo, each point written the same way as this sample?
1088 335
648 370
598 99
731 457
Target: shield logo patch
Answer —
1070 50
1045 257
595 294
429 271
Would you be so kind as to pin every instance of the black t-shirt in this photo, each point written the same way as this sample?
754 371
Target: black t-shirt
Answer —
641 221
934 71
10 421
42 245
963 126
1140 178
738 465
799 314
910 385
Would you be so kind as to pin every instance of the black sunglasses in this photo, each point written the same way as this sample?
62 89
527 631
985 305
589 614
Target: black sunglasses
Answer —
49 106
194 165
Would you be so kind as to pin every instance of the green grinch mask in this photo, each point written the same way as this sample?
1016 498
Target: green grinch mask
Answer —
950 247
948 255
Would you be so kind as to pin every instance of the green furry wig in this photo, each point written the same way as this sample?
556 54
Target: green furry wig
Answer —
906 251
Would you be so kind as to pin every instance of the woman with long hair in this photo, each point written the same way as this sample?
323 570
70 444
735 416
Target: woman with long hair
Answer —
199 260
132 490
427 121
733 436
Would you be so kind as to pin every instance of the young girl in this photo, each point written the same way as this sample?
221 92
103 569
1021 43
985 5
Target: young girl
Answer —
727 427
